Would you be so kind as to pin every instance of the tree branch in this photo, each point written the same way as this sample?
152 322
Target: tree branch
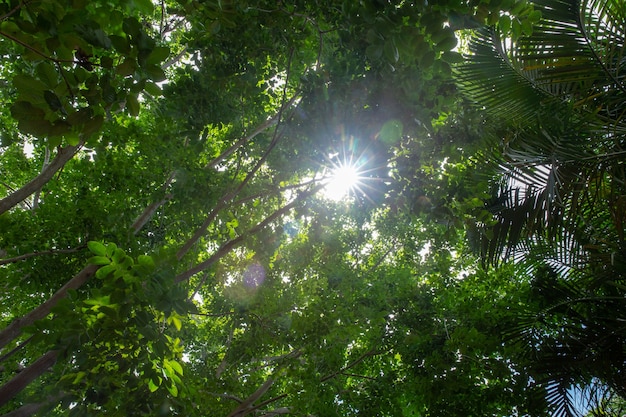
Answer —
31 409
147 214
371 352
63 155
15 328
230 196
44 252
243 408
46 161
232 243
28 375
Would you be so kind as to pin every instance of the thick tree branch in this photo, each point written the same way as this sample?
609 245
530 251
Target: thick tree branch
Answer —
63 155
15 328
28 375
244 407
147 214
28 410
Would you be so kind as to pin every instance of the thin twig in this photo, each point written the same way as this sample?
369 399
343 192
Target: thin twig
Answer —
45 252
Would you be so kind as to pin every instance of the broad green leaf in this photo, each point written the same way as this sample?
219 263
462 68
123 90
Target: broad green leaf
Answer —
48 74
175 321
105 271
132 104
152 386
97 248
99 260
146 7
153 89
127 67
156 73
29 88
427 59
391 132
146 261
504 22
374 51
92 126
158 55
391 51
53 100
175 366
173 390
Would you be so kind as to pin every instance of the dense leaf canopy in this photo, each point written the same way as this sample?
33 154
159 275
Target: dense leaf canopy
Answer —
169 243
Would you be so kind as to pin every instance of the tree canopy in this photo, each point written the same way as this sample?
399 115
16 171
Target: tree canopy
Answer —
326 208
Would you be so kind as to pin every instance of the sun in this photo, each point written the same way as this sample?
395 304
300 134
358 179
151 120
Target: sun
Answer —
343 180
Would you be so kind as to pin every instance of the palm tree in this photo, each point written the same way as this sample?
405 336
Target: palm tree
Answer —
559 181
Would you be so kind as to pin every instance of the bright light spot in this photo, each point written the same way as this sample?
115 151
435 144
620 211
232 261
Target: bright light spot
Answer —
29 150
344 179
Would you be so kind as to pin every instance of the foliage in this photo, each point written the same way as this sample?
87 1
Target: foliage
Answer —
556 203
168 246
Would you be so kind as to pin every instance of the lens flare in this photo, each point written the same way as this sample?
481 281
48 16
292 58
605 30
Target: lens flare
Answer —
343 180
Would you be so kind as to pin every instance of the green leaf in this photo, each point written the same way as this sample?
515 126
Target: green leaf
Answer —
29 89
47 74
173 390
127 67
53 100
132 27
505 23
374 52
176 366
391 52
427 59
158 55
31 119
176 322
391 132
118 256
452 57
447 43
527 27
92 126
132 105
99 260
156 73
105 271
143 6
153 89
97 248
121 44
152 386
79 377
145 260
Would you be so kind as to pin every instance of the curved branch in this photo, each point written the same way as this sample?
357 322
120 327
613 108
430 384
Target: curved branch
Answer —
13 199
